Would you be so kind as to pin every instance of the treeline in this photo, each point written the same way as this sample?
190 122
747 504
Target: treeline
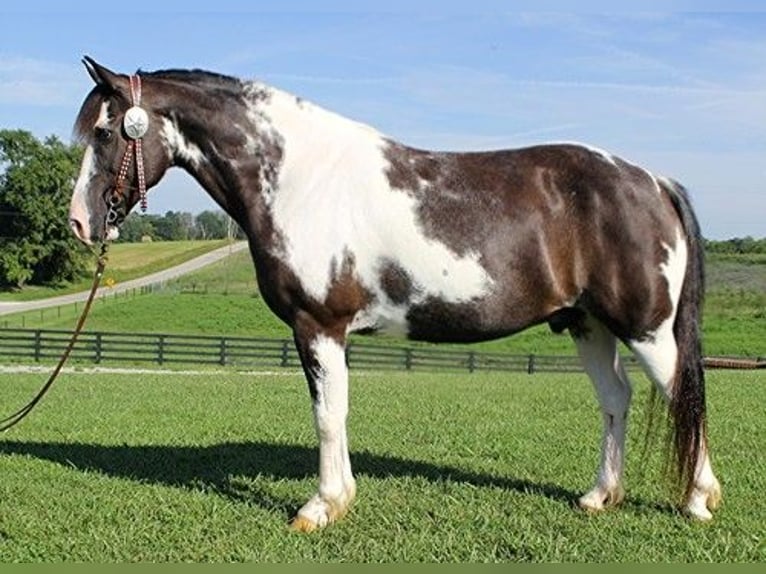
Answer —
179 226
742 245
37 245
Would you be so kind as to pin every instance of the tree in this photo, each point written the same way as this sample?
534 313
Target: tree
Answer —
211 225
137 226
36 180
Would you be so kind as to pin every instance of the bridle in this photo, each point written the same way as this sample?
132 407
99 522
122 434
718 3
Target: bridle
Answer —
135 125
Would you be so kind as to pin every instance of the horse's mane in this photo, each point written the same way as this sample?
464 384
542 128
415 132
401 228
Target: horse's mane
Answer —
195 76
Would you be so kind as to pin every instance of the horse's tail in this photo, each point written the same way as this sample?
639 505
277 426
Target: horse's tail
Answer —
687 400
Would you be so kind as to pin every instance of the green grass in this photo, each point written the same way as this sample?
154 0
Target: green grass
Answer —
223 299
126 261
183 467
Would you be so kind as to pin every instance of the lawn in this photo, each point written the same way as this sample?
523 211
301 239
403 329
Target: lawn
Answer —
125 261
209 467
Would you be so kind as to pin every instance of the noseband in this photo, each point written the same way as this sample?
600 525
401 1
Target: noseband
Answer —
135 124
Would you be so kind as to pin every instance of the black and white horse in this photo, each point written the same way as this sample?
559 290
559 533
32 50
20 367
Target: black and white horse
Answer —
351 231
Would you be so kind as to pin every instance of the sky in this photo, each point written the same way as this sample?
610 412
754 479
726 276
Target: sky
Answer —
680 93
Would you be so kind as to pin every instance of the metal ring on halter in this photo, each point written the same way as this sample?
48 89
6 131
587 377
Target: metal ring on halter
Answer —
115 215
114 200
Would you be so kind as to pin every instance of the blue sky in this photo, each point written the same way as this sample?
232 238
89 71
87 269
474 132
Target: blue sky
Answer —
681 93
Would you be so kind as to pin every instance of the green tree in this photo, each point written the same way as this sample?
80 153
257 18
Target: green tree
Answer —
211 225
137 226
36 179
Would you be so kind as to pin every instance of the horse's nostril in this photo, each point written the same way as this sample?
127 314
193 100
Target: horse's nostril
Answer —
79 230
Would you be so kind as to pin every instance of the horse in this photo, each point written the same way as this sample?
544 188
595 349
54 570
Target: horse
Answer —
352 231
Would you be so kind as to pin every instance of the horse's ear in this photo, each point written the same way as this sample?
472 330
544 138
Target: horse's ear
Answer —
103 76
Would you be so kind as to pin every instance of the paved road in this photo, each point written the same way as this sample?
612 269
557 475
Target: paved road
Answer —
7 307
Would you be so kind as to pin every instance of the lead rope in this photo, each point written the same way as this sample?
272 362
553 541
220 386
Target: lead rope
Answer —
16 417
135 123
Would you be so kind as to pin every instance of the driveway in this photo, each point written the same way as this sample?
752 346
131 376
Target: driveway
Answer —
7 307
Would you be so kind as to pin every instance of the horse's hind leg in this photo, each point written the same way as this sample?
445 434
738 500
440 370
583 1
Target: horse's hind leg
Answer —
658 356
598 350
324 363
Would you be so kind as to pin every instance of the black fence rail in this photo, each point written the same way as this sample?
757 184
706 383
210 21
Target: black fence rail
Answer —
40 345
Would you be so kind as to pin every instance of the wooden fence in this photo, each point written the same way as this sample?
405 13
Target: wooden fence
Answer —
39 345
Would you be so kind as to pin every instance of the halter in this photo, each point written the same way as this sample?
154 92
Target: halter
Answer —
135 124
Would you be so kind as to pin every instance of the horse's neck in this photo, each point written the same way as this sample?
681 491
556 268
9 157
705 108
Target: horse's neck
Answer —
294 155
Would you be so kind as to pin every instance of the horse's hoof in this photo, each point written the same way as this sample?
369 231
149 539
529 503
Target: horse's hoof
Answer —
600 499
320 512
303 524
702 501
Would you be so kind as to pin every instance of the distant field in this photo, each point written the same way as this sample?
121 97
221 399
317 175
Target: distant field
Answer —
485 468
223 299
127 261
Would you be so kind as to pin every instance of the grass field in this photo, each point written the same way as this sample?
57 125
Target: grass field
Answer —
486 468
126 261
223 299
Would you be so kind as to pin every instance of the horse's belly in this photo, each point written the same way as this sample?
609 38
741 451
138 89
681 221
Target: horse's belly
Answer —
438 320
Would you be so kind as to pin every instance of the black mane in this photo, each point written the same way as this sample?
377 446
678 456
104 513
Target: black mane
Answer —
196 76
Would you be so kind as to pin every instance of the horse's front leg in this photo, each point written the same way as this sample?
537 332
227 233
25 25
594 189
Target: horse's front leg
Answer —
324 362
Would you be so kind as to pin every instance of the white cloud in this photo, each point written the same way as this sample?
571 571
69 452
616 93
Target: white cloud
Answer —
32 82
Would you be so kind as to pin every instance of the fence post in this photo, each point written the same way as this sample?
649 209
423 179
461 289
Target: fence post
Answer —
222 352
531 365
161 349
38 345
98 347
471 361
285 352
408 359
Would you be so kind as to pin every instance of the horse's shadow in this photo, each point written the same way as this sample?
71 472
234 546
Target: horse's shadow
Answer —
217 467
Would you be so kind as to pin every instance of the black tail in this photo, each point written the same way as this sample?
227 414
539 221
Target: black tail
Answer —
687 402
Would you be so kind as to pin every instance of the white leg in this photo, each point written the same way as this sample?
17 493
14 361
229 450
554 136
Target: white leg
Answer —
658 355
337 487
598 351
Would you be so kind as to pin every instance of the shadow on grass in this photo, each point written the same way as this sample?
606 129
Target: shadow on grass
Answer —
225 468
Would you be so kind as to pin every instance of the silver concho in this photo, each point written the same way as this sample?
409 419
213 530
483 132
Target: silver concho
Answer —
136 123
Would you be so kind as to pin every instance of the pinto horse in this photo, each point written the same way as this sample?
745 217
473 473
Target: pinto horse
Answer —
351 231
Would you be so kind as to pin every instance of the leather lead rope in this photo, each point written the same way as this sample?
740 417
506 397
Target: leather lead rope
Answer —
16 417
136 124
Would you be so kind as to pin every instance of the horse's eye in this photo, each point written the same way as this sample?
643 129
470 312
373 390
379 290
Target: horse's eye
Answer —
103 134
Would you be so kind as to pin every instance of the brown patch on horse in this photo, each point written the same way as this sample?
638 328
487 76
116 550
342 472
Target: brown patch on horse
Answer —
346 295
396 283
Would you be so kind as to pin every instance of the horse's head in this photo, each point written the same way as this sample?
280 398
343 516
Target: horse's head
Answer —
124 152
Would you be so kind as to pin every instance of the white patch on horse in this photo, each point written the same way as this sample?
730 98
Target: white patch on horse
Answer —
384 316
658 350
177 146
80 207
333 179
661 181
